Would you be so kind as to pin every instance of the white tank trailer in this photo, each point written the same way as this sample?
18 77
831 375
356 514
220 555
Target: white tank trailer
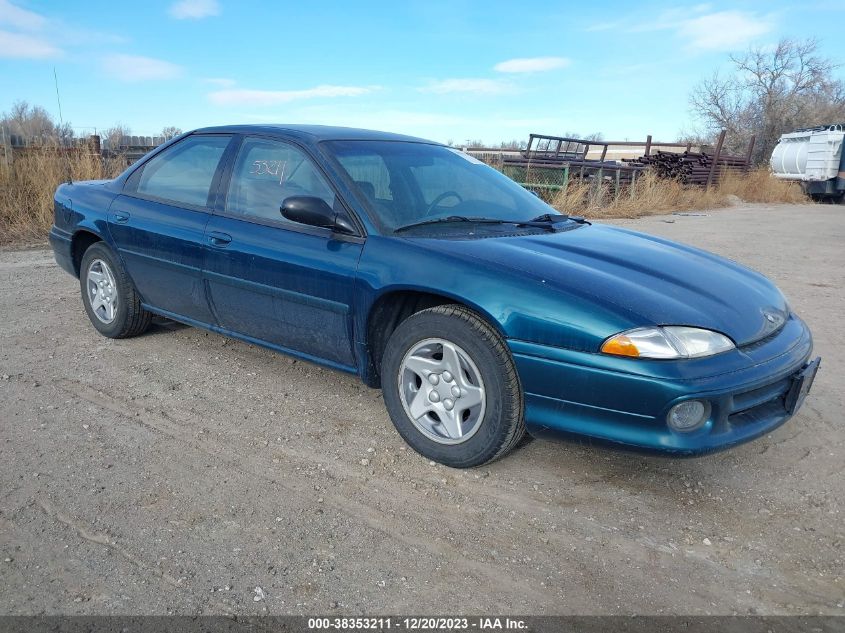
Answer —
814 157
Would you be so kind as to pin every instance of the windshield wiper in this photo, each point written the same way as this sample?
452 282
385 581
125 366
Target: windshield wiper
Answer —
555 218
451 218
545 221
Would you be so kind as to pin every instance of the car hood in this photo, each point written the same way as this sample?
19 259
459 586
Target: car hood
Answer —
645 279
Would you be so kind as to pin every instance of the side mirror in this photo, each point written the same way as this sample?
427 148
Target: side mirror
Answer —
315 211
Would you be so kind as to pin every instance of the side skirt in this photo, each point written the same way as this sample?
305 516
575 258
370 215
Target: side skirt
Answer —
349 369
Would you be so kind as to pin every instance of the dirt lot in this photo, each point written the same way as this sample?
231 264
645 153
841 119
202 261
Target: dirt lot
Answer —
181 471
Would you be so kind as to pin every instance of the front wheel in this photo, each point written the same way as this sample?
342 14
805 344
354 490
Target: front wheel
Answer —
451 387
109 297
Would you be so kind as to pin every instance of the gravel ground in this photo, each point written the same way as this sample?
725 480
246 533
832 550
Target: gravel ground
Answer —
183 472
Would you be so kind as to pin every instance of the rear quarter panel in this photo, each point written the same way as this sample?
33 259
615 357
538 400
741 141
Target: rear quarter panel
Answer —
82 206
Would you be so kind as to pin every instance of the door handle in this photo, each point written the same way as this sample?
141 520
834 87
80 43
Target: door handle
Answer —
221 240
121 217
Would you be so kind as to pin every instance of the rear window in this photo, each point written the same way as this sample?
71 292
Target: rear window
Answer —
183 173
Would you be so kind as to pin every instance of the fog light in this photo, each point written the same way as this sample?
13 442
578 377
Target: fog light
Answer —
688 415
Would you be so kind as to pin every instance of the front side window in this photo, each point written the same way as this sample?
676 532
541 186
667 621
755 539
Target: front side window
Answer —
266 173
183 173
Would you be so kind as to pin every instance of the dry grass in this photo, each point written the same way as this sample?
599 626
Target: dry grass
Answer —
760 186
27 186
652 196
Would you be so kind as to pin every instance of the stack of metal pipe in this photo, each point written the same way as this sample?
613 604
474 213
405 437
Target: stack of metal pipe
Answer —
691 168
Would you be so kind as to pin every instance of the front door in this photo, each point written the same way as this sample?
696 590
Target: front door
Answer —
158 224
274 280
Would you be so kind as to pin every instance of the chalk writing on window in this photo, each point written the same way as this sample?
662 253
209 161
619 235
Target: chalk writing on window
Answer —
274 168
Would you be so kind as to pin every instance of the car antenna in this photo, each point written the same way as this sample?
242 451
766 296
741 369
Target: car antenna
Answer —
62 123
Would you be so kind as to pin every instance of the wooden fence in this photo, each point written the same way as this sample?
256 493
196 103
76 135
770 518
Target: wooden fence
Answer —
127 149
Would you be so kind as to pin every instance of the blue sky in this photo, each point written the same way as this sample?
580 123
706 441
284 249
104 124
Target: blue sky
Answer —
442 69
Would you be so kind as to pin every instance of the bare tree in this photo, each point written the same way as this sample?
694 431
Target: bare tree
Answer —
114 135
31 122
771 91
696 139
592 136
170 131
513 144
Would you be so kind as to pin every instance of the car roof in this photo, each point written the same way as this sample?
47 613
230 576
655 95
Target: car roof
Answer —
315 133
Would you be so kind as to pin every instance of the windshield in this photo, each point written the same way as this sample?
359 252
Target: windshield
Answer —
405 183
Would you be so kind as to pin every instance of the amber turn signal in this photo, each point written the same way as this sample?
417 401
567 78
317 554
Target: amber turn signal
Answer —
620 345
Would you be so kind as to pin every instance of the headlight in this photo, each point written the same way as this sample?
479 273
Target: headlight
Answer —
669 341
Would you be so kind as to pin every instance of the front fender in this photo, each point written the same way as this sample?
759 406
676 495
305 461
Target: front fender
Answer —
517 303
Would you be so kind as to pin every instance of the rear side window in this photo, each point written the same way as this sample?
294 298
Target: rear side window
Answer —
183 173
266 172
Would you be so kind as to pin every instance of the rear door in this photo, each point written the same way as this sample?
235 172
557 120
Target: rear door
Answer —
274 280
158 224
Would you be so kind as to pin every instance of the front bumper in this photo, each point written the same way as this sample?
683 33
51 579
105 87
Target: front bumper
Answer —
625 401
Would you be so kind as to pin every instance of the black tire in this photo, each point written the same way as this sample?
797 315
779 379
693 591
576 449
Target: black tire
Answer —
130 319
502 425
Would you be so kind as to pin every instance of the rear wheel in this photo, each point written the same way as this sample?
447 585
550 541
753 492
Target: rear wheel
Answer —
109 297
451 388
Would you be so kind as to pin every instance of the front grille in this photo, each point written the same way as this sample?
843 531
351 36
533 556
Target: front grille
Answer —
759 404
760 413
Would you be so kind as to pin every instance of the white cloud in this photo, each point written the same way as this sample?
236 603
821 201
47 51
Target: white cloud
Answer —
138 68
275 97
603 26
669 19
22 42
194 9
22 46
531 64
400 121
25 34
20 18
719 31
724 30
478 86
223 82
